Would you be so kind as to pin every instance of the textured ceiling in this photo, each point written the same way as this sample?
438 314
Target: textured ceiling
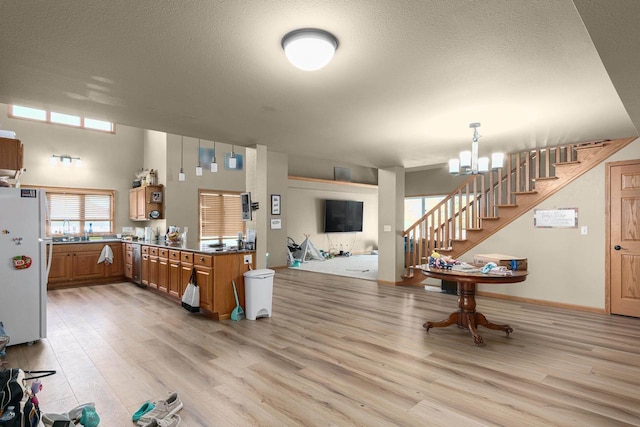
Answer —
406 81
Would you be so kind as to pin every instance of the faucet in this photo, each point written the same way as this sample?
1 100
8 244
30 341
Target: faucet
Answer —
66 226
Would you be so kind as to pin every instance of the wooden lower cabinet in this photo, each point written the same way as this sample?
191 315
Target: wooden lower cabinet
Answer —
163 270
144 269
128 260
168 271
60 267
153 268
75 264
116 268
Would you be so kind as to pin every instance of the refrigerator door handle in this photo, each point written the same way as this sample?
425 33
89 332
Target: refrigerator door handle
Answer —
48 242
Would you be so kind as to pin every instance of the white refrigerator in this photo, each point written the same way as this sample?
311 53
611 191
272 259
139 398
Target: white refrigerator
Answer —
23 264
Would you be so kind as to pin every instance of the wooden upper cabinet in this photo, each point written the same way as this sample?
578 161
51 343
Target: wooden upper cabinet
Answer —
145 200
11 157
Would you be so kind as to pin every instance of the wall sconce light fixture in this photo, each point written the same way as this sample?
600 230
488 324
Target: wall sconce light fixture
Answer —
65 160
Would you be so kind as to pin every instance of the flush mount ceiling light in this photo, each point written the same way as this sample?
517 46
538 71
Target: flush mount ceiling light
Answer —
309 48
468 161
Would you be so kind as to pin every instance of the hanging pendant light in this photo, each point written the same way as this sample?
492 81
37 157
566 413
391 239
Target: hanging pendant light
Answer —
468 162
181 175
233 162
199 167
214 165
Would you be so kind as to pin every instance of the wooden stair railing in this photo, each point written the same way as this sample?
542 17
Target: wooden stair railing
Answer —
487 202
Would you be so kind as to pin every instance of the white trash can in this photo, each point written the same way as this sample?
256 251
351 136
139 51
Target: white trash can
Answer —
258 293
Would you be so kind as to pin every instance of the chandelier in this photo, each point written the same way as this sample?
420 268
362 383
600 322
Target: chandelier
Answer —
468 161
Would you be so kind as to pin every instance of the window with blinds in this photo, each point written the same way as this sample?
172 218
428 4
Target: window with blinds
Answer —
74 211
220 217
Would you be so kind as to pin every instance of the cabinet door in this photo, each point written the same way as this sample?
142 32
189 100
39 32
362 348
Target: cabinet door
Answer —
204 276
60 267
128 264
174 278
117 267
185 275
133 204
141 203
163 274
144 276
85 265
153 271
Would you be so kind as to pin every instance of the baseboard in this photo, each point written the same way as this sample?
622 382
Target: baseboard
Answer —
542 302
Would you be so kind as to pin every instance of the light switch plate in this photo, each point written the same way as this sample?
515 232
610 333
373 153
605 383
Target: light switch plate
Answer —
386 228
584 230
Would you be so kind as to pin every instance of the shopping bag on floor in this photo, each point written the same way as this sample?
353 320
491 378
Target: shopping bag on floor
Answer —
191 297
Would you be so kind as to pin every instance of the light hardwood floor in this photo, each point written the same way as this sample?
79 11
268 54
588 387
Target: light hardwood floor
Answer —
337 352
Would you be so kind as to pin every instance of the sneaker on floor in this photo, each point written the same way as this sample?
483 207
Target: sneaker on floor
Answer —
146 407
170 421
163 409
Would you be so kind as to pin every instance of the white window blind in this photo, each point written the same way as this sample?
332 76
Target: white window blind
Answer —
220 216
74 211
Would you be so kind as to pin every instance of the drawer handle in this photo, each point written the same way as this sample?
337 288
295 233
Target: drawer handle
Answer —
201 259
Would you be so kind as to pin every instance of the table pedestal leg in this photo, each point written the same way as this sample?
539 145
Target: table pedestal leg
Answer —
466 317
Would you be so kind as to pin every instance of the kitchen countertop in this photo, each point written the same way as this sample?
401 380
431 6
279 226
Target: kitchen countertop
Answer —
202 249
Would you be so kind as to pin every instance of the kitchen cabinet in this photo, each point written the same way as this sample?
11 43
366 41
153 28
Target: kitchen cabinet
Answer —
77 264
186 267
128 260
145 200
228 268
204 277
153 268
144 270
169 271
11 157
163 269
116 268
174 274
60 267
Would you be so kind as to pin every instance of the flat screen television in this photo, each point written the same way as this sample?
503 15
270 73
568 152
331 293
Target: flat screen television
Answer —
342 216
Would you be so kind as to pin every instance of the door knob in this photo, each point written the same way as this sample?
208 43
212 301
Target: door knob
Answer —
617 247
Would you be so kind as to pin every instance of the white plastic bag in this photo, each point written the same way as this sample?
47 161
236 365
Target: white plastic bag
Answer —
191 297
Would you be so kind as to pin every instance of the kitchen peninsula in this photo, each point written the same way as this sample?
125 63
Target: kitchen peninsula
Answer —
164 269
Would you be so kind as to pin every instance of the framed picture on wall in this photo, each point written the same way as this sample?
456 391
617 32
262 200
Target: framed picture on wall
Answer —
275 204
156 197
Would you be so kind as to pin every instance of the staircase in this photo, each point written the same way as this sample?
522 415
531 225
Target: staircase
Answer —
485 203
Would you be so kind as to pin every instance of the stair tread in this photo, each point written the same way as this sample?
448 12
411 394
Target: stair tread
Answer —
475 229
594 144
572 162
459 240
507 206
489 217
523 193
545 178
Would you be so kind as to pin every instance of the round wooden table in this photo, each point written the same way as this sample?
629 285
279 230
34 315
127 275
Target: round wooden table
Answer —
466 317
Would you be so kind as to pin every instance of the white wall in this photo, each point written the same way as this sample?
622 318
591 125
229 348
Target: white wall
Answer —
181 198
277 182
109 161
305 215
564 266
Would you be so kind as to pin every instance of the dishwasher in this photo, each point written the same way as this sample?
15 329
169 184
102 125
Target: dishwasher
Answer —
136 268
